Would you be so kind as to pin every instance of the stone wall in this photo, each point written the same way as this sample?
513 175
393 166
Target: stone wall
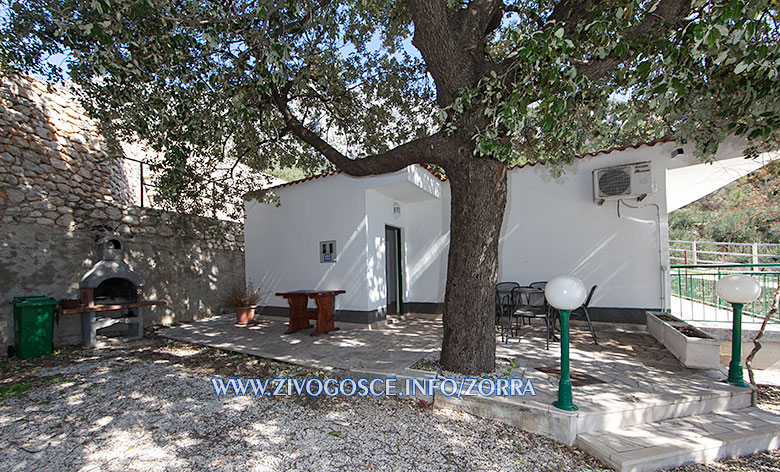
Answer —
59 194
48 143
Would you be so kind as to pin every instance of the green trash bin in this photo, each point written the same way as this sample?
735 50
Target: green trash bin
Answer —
33 325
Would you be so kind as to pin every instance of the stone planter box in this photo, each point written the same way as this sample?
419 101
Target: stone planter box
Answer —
696 349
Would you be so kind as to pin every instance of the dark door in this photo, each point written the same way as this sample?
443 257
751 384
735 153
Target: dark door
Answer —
393 272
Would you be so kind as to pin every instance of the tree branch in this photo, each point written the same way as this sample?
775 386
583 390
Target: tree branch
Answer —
756 344
569 13
447 61
425 150
478 21
668 12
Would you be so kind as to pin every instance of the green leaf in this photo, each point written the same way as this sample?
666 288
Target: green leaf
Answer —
643 69
559 33
660 89
712 37
741 67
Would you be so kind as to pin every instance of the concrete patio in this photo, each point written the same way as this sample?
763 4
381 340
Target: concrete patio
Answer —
386 351
626 381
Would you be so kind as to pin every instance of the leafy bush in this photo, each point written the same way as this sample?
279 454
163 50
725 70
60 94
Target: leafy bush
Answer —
745 211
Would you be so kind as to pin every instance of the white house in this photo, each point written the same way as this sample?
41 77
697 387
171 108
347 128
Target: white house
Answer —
384 239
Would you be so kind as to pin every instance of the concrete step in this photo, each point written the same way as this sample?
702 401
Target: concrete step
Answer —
649 408
673 442
599 412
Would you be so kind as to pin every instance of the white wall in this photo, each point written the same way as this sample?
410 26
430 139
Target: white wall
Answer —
379 208
282 242
552 226
427 242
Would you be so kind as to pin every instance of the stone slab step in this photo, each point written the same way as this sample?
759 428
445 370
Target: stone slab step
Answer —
651 408
673 442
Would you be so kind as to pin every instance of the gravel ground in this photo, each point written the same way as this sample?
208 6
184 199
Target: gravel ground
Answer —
149 405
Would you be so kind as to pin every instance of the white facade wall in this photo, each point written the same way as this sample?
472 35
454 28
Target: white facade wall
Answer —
552 226
425 242
379 208
282 242
426 245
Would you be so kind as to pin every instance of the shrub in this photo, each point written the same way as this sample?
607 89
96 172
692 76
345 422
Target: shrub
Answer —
240 297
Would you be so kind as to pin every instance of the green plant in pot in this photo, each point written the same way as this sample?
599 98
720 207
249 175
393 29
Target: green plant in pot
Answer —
244 301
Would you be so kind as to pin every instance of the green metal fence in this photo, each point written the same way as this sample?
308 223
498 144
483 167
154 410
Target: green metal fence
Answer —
695 283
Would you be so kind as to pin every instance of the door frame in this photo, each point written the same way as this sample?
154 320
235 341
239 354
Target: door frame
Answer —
399 266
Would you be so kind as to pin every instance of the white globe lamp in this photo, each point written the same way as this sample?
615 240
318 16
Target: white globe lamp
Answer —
565 293
737 289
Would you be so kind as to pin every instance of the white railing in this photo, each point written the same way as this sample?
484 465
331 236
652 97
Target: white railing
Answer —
715 252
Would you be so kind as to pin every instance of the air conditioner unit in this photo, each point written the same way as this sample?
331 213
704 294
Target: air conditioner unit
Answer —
621 182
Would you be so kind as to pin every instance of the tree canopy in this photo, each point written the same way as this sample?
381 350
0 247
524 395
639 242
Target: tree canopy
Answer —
376 85
199 80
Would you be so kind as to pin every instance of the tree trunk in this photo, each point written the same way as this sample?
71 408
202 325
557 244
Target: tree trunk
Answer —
479 192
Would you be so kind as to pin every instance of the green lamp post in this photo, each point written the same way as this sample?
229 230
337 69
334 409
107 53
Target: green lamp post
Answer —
565 293
737 289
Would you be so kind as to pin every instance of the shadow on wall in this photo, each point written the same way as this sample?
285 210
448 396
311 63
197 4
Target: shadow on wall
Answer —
52 147
191 277
57 198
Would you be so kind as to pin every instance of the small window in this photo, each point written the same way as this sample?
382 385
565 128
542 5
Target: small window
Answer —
327 251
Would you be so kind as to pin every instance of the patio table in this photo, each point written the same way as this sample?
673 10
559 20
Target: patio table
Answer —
300 314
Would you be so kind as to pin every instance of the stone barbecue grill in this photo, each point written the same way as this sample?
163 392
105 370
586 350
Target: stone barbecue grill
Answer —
109 287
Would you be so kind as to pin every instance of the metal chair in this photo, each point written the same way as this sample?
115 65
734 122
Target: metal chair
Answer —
530 303
502 312
503 294
584 310
539 285
506 287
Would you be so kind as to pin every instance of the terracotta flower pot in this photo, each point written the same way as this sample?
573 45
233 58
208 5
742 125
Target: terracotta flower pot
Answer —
245 314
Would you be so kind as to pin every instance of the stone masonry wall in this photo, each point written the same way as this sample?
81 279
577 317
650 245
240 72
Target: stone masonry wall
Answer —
48 143
59 193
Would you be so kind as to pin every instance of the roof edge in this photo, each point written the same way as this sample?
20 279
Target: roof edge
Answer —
334 172
442 178
661 140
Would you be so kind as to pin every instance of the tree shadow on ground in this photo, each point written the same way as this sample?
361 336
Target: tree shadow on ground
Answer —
150 405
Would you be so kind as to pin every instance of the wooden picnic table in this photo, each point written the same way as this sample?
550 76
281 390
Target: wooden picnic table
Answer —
300 314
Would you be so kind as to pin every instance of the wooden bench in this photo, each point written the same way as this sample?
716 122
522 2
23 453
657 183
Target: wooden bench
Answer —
300 314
